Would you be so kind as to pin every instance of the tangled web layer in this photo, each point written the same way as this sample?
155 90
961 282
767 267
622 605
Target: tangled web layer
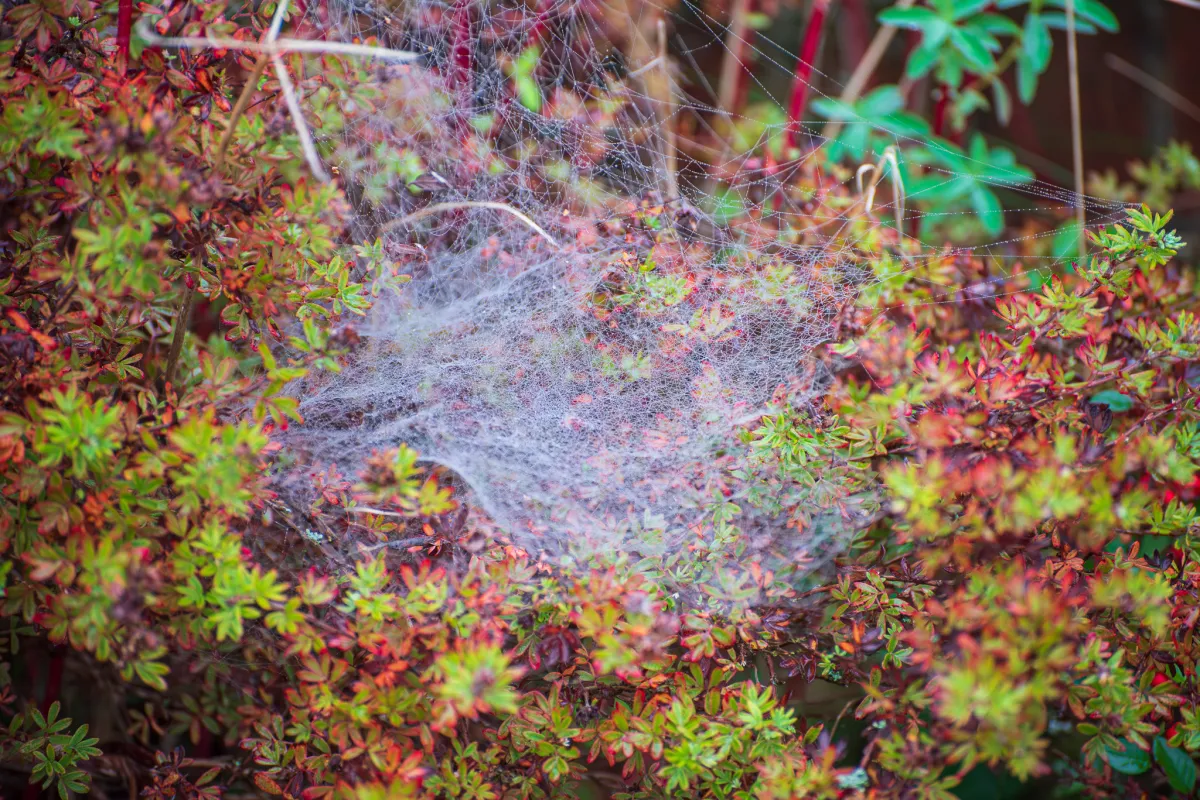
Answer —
579 342
561 418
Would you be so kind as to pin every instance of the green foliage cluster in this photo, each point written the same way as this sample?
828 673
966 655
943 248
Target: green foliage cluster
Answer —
971 51
1017 462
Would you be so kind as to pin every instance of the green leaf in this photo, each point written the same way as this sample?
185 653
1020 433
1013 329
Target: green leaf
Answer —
987 207
1036 43
1092 11
1130 761
1002 102
969 8
529 94
880 102
727 205
1027 77
1058 21
1176 764
759 21
152 673
922 60
1113 399
1065 244
996 24
913 19
973 50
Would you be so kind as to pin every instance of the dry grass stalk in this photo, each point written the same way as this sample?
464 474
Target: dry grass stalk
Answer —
1076 130
1153 85
437 208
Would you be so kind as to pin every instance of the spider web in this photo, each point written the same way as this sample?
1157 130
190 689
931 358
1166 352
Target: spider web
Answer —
586 340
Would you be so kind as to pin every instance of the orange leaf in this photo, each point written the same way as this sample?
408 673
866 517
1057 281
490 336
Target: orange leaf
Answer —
266 784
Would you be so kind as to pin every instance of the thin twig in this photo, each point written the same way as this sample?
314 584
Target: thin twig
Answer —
181 324
649 65
654 75
729 92
1076 129
865 69
239 108
838 721
124 25
667 113
293 106
829 587
63 299
278 47
37 288
412 541
290 99
377 511
1153 85
1186 3
274 47
437 208
1146 420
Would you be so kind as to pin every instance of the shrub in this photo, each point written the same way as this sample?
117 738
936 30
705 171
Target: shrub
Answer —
1014 461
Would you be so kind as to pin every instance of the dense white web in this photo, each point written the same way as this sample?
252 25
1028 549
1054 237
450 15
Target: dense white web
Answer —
587 335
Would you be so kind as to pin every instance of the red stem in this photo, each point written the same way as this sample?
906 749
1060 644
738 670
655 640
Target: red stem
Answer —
204 748
540 24
54 677
124 26
1021 130
856 30
939 111
460 49
801 82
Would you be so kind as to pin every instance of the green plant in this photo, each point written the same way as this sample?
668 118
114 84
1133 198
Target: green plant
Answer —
967 48
54 751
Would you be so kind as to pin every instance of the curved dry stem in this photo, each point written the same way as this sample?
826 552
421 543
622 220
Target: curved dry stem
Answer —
876 171
275 48
649 65
437 208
